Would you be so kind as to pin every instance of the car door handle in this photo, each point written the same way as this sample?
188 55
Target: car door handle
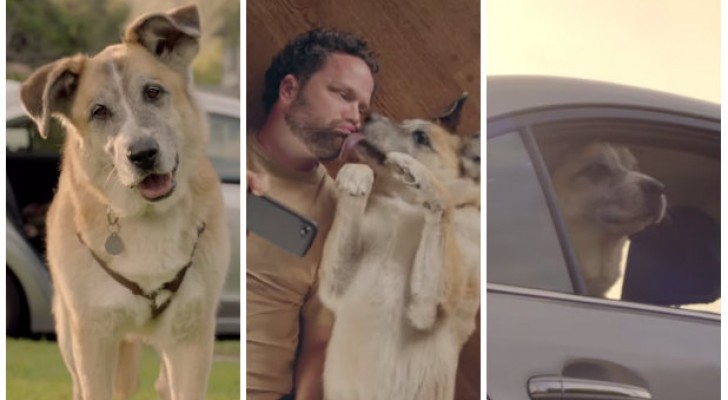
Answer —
559 387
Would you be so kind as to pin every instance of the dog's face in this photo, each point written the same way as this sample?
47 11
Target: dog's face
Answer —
127 110
598 184
427 142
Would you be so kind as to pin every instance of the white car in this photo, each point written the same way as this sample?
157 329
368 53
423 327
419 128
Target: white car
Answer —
657 334
31 178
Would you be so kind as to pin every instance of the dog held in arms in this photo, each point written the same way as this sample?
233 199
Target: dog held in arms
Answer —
604 199
403 289
138 245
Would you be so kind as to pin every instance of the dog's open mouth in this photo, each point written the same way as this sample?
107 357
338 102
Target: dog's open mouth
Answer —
157 186
348 148
357 147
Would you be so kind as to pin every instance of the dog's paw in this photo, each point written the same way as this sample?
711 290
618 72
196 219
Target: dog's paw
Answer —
355 179
406 169
412 173
422 316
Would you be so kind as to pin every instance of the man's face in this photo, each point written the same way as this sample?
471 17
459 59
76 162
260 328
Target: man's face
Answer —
330 105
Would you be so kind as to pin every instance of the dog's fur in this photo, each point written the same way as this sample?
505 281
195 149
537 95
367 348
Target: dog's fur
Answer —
403 293
604 199
143 85
470 155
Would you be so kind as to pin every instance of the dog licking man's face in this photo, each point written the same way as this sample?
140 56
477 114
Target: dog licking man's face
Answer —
426 141
599 185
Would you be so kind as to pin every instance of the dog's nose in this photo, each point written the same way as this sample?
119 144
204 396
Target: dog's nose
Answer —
652 187
143 153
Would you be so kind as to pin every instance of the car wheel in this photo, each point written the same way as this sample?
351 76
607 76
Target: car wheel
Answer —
16 307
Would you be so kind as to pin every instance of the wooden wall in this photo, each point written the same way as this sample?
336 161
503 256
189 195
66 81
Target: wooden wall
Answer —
429 50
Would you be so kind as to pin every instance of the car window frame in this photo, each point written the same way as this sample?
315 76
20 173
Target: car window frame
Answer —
522 123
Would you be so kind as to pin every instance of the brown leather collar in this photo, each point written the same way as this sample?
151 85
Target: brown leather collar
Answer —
171 286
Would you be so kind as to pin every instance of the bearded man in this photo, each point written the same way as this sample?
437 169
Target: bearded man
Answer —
317 90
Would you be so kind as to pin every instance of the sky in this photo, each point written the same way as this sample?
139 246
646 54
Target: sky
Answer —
668 45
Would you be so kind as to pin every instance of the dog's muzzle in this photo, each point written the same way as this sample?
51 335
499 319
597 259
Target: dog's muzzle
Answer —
654 192
144 154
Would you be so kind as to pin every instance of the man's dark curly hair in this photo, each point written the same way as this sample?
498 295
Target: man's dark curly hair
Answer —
306 54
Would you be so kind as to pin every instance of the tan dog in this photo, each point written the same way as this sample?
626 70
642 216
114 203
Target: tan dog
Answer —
393 273
137 239
604 199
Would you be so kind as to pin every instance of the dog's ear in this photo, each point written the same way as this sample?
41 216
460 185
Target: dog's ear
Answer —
451 118
172 37
50 91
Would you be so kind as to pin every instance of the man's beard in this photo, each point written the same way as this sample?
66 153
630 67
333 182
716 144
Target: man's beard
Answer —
321 139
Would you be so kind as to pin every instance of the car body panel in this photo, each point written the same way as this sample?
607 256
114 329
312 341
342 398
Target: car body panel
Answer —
514 94
35 281
534 333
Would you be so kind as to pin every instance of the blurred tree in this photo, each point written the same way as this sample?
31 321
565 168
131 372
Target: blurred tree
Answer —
39 31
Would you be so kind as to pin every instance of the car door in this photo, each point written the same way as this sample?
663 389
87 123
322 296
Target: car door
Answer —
546 339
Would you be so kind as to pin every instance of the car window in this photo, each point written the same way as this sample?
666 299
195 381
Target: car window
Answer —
523 247
674 262
16 138
224 146
23 136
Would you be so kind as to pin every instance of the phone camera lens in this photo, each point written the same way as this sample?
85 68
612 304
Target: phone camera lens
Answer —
305 230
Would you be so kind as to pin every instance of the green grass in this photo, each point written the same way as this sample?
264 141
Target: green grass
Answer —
35 371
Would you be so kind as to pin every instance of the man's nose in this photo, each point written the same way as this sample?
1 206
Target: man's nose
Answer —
352 114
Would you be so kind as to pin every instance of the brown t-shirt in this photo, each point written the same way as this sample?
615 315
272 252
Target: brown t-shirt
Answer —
281 288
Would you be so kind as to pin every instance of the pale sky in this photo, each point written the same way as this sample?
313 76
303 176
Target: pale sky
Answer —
668 45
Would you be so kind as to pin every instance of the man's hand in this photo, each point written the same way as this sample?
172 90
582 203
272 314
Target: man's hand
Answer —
257 183
310 364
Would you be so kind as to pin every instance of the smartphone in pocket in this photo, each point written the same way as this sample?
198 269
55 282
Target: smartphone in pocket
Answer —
279 224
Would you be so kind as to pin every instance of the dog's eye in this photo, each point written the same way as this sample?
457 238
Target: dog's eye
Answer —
152 92
596 172
100 112
421 138
476 159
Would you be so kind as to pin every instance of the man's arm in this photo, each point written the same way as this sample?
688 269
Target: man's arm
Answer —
310 363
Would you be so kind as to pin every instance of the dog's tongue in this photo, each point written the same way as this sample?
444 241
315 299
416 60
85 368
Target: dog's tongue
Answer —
155 186
347 149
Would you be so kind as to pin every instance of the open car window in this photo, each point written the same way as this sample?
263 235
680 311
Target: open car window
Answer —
676 261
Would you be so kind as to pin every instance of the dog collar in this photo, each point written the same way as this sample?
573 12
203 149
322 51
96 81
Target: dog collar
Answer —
170 286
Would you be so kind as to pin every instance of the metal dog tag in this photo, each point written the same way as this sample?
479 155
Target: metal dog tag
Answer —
114 246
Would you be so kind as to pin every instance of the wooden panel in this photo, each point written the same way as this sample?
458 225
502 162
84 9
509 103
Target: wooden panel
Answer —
429 51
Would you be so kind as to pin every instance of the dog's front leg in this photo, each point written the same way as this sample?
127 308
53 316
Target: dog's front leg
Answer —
187 365
126 378
427 286
94 354
65 341
342 248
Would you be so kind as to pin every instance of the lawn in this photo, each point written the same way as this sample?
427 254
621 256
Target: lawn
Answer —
35 371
